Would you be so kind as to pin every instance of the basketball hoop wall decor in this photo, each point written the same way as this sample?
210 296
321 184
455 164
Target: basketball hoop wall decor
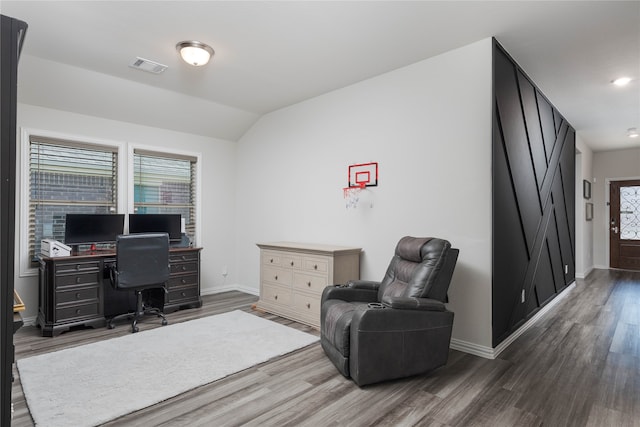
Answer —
361 175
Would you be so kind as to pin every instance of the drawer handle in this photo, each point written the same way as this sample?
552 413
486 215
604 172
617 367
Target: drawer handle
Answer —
77 295
291 263
276 277
184 268
78 267
271 260
309 284
184 258
315 267
275 297
183 281
184 294
308 305
77 280
78 311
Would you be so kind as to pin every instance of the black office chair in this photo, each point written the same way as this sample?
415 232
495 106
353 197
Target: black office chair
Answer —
142 263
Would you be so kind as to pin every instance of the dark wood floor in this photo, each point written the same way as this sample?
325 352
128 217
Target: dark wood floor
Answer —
578 366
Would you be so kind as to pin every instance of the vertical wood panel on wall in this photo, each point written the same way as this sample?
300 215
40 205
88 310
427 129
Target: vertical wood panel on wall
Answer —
533 198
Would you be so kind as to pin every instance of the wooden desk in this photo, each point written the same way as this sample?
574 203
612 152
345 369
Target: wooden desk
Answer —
76 290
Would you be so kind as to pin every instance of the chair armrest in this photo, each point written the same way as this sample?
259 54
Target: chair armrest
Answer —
406 303
363 284
349 294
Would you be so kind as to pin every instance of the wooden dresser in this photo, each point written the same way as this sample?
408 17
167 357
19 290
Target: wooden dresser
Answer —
293 275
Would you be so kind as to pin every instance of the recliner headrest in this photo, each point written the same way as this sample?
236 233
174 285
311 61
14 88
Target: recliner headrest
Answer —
410 248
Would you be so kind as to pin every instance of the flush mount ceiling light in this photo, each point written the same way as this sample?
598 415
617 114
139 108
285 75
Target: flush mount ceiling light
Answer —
621 81
195 53
633 133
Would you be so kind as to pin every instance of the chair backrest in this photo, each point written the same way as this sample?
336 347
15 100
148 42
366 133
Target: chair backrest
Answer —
421 267
142 260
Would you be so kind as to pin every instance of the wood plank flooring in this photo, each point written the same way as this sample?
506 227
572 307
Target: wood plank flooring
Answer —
578 366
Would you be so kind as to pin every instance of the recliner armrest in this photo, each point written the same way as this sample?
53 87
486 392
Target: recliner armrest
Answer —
349 294
408 303
363 284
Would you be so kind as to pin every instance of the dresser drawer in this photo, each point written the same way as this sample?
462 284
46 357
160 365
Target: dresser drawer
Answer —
291 261
307 305
180 281
316 265
274 294
77 267
184 267
75 295
76 311
271 258
277 275
178 295
309 282
77 280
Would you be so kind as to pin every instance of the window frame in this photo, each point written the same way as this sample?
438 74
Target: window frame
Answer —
167 152
25 266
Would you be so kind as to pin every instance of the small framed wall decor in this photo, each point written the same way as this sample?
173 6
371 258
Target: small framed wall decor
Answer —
589 211
586 189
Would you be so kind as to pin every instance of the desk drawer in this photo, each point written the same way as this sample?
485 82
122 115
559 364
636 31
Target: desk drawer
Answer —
77 279
178 295
184 267
77 311
75 295
183 257
77 267
180 281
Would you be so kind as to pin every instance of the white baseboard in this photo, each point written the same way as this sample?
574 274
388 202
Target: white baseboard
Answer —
585 274
492 353
228 288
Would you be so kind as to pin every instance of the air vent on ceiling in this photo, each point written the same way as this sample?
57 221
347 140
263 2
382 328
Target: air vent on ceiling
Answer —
147 65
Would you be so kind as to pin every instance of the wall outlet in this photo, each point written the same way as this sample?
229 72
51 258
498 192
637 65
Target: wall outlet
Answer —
225 272
522 297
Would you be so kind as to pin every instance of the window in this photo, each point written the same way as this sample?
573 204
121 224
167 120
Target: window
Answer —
165 183
67 177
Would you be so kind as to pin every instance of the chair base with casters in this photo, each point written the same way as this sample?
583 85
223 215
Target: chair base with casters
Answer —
141 311
399 327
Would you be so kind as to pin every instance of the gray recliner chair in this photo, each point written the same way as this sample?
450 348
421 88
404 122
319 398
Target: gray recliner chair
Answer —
377 331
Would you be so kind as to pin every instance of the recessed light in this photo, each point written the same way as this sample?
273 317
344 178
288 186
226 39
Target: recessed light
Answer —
633 133
621 81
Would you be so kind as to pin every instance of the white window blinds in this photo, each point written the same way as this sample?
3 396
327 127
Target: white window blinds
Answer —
164 183
67 177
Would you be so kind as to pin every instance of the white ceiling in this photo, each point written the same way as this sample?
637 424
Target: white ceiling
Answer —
273 54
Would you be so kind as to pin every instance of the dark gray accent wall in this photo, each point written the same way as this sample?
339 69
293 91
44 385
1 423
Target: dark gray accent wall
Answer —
533 198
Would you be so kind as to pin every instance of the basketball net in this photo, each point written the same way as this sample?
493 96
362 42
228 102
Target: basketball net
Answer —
352 196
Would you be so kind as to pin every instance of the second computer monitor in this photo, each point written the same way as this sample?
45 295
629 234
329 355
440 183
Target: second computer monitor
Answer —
156 223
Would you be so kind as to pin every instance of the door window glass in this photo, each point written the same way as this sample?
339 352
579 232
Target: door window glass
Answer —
630 213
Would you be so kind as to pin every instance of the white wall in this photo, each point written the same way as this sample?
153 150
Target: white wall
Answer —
429 127
584 228
217 195
609 166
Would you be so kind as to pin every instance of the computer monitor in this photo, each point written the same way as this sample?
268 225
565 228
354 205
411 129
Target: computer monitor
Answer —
87 229
157 223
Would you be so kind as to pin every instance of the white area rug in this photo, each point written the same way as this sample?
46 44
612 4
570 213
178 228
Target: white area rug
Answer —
98 382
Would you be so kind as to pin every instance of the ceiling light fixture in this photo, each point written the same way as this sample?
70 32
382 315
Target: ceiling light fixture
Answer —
621 81
633 133
195 53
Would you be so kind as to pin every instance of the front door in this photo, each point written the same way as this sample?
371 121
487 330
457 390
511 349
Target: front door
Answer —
624 227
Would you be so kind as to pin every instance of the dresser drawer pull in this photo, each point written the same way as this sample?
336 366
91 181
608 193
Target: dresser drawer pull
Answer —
308 305
275 297
183 281
184 268
78 267
309 284
77 280
184 257
78 311
315 267
276 277
184 294
77 295
291 263
271 260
